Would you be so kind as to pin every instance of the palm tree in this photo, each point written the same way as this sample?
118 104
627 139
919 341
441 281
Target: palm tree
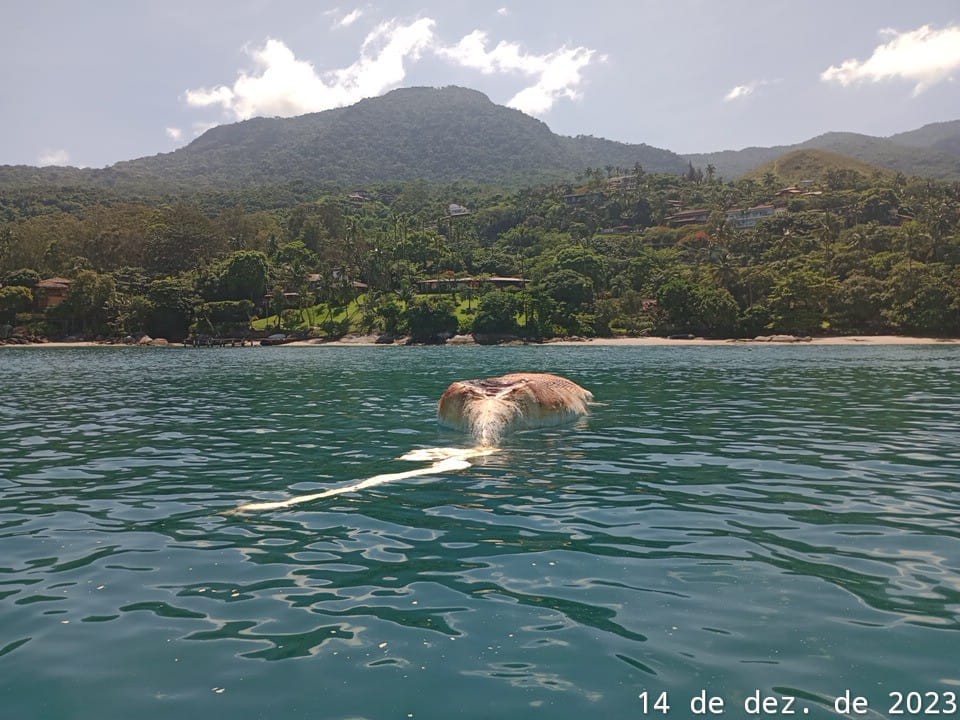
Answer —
724 272
829 229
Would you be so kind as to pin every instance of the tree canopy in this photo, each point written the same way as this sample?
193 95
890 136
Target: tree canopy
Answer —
600 254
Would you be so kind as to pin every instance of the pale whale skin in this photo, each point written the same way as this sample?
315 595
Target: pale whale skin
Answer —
490 406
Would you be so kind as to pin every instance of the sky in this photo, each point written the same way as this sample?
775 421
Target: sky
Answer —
89 83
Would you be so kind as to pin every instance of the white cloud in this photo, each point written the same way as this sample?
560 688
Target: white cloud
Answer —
220 95
743 91
282 85
382 57
740 91
503 11
53 157
924 56
350 18
557 73
285 86
174 133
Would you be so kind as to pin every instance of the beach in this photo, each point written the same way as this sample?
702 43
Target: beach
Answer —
660 341
370 341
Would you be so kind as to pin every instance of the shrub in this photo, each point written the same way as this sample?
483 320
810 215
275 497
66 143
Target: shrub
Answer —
497 314
226 317
23 278
429 320
14 299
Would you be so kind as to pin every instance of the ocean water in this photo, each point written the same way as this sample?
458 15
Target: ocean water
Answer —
729 521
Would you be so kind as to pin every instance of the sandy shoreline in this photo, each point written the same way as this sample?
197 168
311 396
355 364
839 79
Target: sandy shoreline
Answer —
665 342
602 342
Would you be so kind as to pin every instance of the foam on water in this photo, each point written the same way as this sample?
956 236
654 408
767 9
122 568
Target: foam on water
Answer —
444 460
425 454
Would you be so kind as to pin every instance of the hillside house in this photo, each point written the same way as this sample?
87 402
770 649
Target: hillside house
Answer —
794 191
742 218
623 182
51 292
688 217
582 198
457 283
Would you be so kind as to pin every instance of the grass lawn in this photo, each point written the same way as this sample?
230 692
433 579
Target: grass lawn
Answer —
314 315
465 311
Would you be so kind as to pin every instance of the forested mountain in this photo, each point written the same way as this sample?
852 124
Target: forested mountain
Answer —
931 136
432 134
931 151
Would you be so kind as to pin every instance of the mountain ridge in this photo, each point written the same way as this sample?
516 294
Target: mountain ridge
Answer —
932 150
448 134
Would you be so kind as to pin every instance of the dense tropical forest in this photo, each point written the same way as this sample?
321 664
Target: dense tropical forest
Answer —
605 254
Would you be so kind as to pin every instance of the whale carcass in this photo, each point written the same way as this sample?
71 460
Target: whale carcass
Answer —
488 407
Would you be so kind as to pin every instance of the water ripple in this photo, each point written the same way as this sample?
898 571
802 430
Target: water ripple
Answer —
783 519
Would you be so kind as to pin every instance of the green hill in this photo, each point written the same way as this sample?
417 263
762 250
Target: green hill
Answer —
931 151
438 135
794 167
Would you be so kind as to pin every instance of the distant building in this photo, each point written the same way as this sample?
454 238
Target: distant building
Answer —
617 230
623 182
267 305
51 292
506 281
582 198
689 217
749 217
338 275
453 283
457 210
739 217
794 191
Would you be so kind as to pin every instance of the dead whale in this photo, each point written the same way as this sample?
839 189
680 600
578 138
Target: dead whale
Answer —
488 407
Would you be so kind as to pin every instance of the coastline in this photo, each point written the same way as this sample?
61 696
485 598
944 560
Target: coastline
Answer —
369 341
667 342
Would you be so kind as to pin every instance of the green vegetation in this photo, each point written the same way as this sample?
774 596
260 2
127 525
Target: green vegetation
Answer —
809 164
931 151
437 134
869 253
14 299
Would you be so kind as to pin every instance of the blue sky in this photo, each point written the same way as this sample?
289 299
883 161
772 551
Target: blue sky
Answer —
91 83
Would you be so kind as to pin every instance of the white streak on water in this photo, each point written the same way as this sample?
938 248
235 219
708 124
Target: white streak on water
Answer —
444 460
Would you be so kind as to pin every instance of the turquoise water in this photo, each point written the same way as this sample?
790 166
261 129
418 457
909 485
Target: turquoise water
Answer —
729 519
